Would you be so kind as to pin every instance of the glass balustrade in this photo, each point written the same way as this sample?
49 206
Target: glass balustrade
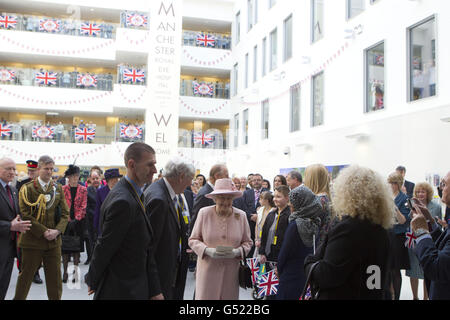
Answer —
206 39
205 89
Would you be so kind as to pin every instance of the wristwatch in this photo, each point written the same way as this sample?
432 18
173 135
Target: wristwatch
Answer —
420 232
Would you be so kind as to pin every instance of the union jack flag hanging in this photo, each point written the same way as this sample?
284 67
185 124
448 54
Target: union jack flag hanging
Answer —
5 130
49 25
203 89
8 22
253 264
203 139
85 134
410 237
7 75
268 284
43 132
136 20
46 78
90 29
131 132
134 75
206 40
87 80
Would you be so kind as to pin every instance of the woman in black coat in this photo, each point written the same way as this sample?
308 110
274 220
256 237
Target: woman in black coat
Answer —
352 262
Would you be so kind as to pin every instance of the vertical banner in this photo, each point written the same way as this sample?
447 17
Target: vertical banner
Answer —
161 119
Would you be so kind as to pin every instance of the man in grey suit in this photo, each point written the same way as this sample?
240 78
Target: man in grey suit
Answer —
10 223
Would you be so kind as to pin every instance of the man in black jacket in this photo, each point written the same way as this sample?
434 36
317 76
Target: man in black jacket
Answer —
408 186
122 265
10 223
169 216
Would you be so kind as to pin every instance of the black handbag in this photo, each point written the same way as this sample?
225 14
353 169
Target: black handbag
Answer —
310 291
245 276
70 243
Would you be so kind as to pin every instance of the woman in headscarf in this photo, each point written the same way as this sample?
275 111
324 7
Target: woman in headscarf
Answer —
299 240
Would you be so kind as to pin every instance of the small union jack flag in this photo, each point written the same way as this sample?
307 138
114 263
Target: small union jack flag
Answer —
203 89
410 237
8 22
87 80
90 29
134 75
206 40
308 295
253 264
7 75
5 130
46 78
136 20
49 25
268 284
85 134
203 139
131 132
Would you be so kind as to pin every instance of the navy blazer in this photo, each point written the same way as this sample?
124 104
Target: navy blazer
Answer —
167 231
434 257
290 264
7 214
200 202
280 234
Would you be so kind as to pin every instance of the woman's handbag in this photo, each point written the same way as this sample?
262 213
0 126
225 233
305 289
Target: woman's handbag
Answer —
310 291
245 276
70 240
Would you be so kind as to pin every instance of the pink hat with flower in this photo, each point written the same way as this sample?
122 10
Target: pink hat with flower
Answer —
224 187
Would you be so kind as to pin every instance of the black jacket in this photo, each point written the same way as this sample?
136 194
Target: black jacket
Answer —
283 223
7 214
168 230
122 265
200 202
346 259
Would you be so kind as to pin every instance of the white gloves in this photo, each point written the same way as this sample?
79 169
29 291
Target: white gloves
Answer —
212 252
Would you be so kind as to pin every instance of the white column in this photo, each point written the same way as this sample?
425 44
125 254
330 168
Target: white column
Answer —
161 120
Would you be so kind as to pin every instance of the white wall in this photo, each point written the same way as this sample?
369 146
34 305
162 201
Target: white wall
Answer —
395 134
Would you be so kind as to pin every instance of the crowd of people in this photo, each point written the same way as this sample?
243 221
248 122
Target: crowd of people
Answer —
56 78
344 240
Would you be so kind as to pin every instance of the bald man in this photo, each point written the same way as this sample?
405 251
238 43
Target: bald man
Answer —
10 223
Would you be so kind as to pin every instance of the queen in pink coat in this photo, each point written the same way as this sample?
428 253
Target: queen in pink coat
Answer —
220 238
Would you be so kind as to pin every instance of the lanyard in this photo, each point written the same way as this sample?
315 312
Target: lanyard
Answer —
139 198
181 206
275 238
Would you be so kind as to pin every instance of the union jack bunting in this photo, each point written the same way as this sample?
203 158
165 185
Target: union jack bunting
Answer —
5 130
8 22
85 134
46 78
131 132
134 75
203 89
49 25
136 20
206 40
268 284
87 80
410 237
7 75
253 264
90 29
43 132
203 139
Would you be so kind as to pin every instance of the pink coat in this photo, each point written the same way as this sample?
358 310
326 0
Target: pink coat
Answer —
218 279
80 201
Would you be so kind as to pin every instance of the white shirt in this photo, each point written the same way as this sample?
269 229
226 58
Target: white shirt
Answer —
43 184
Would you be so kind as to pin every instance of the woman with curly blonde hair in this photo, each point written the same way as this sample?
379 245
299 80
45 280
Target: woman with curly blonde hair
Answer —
342 268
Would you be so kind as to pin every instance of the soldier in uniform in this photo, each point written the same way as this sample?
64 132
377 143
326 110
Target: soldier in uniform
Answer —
32 174
42 202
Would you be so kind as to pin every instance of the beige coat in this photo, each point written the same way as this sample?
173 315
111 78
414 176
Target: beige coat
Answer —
218 279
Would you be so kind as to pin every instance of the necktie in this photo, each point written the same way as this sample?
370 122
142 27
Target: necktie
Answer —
257 194
8 191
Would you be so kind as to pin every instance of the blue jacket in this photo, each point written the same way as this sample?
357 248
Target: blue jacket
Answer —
434 257
290 264
400 202
102 192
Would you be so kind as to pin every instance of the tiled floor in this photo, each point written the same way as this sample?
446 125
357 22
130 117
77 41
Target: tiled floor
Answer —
79 290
